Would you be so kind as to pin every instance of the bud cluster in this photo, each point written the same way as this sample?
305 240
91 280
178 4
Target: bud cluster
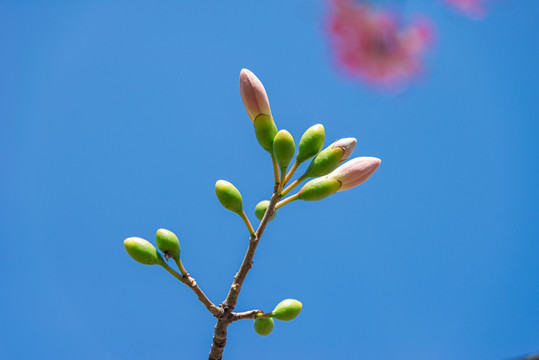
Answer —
329 171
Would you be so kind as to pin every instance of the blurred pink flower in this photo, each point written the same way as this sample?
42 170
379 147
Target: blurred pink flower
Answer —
371 45
471 8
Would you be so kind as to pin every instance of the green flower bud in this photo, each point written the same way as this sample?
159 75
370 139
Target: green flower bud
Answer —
319 188
142 251
229 196
265 131
260 209
328 159
283 148
311 142
287 310
168 243
263 326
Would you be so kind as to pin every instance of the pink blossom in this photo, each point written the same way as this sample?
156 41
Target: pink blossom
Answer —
371 44
253 94
471 8
355 171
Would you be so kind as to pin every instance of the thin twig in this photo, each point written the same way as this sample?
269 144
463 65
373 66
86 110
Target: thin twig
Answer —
227 317
192 284
245 315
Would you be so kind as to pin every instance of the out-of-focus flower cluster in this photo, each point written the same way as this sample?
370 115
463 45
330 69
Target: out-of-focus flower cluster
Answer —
373 45
472 8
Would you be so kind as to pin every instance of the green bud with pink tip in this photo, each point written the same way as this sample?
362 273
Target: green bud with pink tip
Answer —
287 310
260 210
328 159
355 171
283 149
229 196
318 189
256 103
311 142
142 251
168 243
263 326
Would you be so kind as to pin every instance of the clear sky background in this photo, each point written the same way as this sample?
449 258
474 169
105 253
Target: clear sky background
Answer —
117 118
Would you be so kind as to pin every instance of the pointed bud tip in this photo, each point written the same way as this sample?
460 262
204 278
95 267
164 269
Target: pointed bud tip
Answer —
254 97
348 145
355 171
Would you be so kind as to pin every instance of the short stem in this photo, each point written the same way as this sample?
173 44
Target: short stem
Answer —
172 271
262 315
293 185
283 175
180 267
286 201
275 169
291 172
247 223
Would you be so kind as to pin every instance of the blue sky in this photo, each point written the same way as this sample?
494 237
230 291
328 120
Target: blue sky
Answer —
117 118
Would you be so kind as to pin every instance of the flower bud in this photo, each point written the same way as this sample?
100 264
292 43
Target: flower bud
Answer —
260 210
265 131
287 310
318 189
263 326
328 159
283 148
168 243
311 142
229 196
142 251
253 95
355 171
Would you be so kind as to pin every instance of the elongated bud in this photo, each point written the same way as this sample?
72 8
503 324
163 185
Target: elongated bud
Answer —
318 189
328 159
311 142
142 251
168 243
265 131
263 326
355 171
283 148
260 210
253 95
287 310
229 196
256 103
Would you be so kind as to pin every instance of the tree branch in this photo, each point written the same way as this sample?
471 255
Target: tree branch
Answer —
227 317
245 315
192 284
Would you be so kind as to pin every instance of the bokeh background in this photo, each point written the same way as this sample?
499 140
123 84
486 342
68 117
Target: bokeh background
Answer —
117 118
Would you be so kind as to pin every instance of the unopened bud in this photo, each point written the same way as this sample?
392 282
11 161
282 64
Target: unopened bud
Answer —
318 189
311 142
253 95
283 148
229 196
265 131
263 326
168 243
287 310
142 251
328 159
260 210
355 171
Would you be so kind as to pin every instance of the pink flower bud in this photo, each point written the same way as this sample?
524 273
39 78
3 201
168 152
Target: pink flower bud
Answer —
253 95
355 171
347 145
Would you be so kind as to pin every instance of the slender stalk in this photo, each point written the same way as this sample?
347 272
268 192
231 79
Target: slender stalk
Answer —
281 184
247 223
180 267
252 314
275 169
192 284
225 319
291 172
293 185
286 201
